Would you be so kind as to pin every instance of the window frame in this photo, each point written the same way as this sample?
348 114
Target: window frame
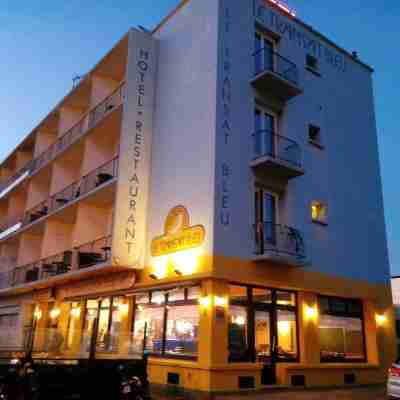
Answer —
274 44
318 143
346 314
165 305
323 206
272 308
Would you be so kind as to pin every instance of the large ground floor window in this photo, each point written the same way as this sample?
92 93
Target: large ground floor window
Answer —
341 330
262 325
169 321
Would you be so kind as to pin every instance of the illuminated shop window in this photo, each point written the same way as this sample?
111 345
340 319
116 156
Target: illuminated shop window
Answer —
109 324
285 298
268 318
178 311
149 322
341 330
262 327
287 335
262 295
319 212
238 335
182 330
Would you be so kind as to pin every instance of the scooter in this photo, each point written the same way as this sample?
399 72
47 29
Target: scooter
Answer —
132 387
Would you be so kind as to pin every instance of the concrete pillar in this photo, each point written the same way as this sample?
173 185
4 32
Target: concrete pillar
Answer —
213 326
308 328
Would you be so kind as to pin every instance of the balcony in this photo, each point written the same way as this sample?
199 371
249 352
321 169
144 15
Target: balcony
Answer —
91 119
276 154
88 183
275 74
61 265
279 244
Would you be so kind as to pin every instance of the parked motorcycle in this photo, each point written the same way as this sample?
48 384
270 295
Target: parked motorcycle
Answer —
132 387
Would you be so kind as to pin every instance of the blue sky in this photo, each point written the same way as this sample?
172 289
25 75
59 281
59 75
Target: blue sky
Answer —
46 43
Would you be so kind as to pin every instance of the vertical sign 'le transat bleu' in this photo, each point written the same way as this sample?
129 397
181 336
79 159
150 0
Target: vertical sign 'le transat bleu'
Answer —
131 206
225 128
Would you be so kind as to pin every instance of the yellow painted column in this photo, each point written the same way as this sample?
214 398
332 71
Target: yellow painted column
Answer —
371 339
386 331
308 328
213 326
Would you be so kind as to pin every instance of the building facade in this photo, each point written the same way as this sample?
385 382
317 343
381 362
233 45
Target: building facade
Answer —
210 192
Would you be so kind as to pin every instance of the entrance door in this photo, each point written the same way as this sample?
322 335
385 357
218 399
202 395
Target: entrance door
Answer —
265 344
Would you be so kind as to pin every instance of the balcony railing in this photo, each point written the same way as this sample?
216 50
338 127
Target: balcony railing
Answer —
84 256
267 60
279 240
270 144
87 122
85 185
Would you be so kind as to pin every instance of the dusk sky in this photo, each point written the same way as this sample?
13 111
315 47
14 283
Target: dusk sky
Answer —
45 45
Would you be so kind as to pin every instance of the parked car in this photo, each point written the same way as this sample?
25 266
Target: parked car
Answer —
393 385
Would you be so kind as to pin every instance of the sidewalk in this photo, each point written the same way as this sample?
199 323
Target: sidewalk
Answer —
366 393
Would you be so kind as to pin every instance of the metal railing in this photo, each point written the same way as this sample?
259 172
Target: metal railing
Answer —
95 252
107 105
268 143
266 59
85 185
88 121
87 255
271 238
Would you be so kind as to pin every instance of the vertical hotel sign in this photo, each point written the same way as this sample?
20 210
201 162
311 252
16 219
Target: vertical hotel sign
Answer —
131 206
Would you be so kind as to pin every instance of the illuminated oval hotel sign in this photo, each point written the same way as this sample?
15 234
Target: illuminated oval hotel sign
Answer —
178 234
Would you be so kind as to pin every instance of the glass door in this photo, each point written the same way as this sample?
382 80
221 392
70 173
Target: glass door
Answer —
264 133
264 54
265 344
266 215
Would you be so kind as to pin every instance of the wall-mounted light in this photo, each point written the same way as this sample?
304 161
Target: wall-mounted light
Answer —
185 262
75 312
37 314
220 301
205 302
160 268
380 319
310 312
55 313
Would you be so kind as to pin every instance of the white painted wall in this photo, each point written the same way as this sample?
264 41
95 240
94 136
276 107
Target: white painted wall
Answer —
183 146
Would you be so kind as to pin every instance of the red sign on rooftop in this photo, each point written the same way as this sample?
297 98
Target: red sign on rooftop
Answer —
285 8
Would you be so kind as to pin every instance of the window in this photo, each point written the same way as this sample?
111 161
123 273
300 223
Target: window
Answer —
265 130
149 323
263 326
238 335
312 63
264 54
319 212
287 335
314 135
341 330
182 330
109 323
266 220
175 311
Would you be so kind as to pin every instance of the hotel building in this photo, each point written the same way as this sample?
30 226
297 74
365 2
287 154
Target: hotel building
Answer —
210 191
